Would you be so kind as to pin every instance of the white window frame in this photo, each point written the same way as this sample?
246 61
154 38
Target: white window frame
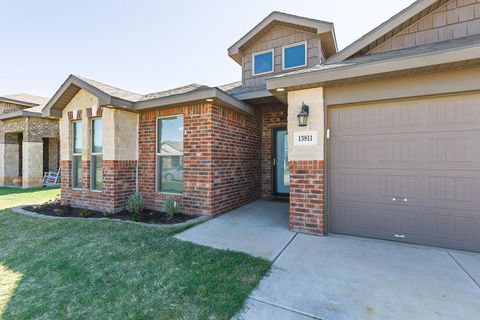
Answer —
259 53
76 155
158 154
304 43
93 154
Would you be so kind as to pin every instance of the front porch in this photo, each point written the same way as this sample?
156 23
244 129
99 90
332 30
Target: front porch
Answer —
259 228
24 159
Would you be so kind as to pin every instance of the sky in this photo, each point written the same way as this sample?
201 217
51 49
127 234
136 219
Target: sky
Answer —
148 46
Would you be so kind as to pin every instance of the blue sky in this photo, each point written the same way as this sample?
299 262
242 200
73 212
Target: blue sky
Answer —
147 46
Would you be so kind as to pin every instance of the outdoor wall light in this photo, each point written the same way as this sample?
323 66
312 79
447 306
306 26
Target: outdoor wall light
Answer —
280 89
303 115
209 100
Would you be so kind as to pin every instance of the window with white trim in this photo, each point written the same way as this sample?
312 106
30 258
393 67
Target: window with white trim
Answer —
96 174
295 55
77 149
170 154
263 62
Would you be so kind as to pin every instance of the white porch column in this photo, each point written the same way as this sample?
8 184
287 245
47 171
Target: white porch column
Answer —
32 164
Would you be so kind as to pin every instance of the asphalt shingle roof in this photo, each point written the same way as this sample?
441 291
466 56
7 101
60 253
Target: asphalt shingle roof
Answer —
384 56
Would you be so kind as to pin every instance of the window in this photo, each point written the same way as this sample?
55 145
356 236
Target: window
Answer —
263 62
97 155
77 155
170 154
295 56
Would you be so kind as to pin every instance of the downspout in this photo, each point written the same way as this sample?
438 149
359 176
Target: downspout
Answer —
138 153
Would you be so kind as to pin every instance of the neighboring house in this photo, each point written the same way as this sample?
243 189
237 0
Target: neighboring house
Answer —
29 142
390 148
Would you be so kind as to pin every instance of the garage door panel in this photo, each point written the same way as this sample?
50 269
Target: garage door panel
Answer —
409 224
436 114
428 188
407 168
441 150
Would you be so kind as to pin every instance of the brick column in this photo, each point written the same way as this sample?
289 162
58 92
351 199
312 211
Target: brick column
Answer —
306 161
306 196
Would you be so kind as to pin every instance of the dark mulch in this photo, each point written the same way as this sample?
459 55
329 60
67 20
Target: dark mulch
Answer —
147 215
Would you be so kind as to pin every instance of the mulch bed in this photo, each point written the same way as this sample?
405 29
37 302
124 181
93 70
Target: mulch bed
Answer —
147 215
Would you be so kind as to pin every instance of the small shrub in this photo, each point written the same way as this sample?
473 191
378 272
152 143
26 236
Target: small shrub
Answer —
59 211
135 206
85 213
109 214
171 208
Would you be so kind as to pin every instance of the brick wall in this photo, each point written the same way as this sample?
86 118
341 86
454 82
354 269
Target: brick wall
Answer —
118 184
307 196
273 116
236 160
221 157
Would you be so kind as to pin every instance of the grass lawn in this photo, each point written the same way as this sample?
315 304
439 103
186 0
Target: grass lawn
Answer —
71 269
12 197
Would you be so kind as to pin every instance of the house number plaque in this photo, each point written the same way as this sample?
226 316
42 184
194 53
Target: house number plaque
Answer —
305 138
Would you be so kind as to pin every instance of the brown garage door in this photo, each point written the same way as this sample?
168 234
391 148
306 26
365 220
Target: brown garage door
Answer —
407 171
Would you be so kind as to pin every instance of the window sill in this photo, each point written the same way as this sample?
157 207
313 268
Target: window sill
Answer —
170 193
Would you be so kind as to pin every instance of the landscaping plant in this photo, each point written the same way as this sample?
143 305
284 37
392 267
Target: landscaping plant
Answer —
135 206
171 207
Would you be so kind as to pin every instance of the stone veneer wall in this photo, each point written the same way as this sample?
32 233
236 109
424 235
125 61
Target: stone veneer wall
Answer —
221 157
33 130
6 107
273 116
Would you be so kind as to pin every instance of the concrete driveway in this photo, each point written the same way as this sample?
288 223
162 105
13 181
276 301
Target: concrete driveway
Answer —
341 277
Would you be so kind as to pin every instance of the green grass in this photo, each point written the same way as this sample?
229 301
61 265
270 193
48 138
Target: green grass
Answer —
12 197
73 269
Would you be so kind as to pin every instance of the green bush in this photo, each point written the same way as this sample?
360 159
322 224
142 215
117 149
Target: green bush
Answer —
85 213
135 206
171 207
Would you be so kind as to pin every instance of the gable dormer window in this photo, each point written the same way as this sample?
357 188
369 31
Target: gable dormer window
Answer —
263 62
295 55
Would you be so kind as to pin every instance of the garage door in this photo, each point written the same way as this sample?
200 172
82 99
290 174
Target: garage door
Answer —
407 171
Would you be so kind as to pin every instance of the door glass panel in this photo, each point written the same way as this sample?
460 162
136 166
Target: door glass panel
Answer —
282 170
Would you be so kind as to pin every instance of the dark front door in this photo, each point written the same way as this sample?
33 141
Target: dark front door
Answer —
46 156
281 172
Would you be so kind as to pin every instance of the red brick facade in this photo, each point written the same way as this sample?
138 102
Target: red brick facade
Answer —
307 196
118 184
273 116
221 157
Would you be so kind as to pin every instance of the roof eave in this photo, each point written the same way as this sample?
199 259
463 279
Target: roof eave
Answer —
20 114
19 102
104 98
215 94
316 78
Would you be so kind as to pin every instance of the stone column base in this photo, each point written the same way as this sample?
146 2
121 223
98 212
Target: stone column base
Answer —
32 164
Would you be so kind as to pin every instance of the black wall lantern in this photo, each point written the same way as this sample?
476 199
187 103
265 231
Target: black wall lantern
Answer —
303 115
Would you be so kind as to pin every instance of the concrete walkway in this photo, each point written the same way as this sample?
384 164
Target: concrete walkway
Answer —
341 277
259 229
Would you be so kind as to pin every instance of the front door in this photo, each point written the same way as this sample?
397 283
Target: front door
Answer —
281 171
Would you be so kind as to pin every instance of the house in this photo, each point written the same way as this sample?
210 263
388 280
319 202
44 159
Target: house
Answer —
380 139
29 142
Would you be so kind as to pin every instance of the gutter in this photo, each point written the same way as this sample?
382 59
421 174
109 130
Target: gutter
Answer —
215 94
20 114
390 65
